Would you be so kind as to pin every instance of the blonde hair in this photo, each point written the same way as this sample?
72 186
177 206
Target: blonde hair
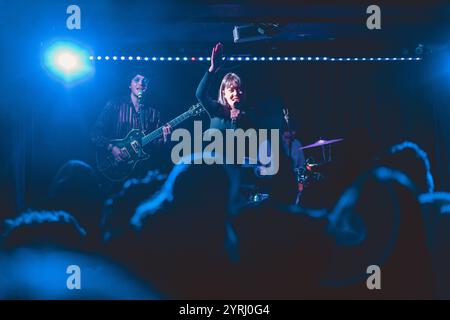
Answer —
230 79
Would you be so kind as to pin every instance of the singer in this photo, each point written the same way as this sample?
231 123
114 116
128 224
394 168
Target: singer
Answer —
226 111
126 113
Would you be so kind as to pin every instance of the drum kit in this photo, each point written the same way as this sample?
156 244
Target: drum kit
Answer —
310 171
307 174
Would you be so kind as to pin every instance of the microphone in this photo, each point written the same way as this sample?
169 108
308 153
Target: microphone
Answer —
237 105
140 93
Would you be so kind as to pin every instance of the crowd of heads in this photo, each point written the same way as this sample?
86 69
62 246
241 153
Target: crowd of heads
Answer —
191 235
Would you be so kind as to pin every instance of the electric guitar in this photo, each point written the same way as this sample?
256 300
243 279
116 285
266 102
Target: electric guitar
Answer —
132 148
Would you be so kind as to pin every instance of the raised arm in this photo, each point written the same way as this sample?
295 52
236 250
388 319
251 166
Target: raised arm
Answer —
203 88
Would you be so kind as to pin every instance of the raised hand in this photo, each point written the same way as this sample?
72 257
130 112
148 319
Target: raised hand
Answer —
216 57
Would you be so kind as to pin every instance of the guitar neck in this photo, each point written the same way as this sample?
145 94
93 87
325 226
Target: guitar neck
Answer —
159 132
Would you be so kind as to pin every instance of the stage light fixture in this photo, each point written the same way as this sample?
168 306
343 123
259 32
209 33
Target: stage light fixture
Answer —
68 61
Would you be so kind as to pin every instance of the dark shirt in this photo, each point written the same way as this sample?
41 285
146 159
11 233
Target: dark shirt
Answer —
119 117
220 114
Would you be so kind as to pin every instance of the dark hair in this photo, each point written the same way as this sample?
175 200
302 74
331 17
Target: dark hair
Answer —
134 72
409 158
55 228
75 189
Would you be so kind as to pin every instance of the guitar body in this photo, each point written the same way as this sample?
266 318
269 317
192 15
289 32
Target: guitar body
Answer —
131 146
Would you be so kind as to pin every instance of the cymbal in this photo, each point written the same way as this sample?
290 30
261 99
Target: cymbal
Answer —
320 143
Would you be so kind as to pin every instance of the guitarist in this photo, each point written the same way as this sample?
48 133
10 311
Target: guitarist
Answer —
122 115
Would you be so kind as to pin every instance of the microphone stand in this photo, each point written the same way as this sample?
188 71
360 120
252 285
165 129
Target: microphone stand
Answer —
286 118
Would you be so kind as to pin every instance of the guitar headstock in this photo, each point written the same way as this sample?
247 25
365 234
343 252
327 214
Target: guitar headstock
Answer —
196 109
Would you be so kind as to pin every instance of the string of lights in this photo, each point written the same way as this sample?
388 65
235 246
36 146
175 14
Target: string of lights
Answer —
253 58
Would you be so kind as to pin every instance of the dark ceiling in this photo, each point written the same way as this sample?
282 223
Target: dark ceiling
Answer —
177 27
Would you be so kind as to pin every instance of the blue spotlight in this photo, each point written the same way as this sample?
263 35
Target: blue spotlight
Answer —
68 61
